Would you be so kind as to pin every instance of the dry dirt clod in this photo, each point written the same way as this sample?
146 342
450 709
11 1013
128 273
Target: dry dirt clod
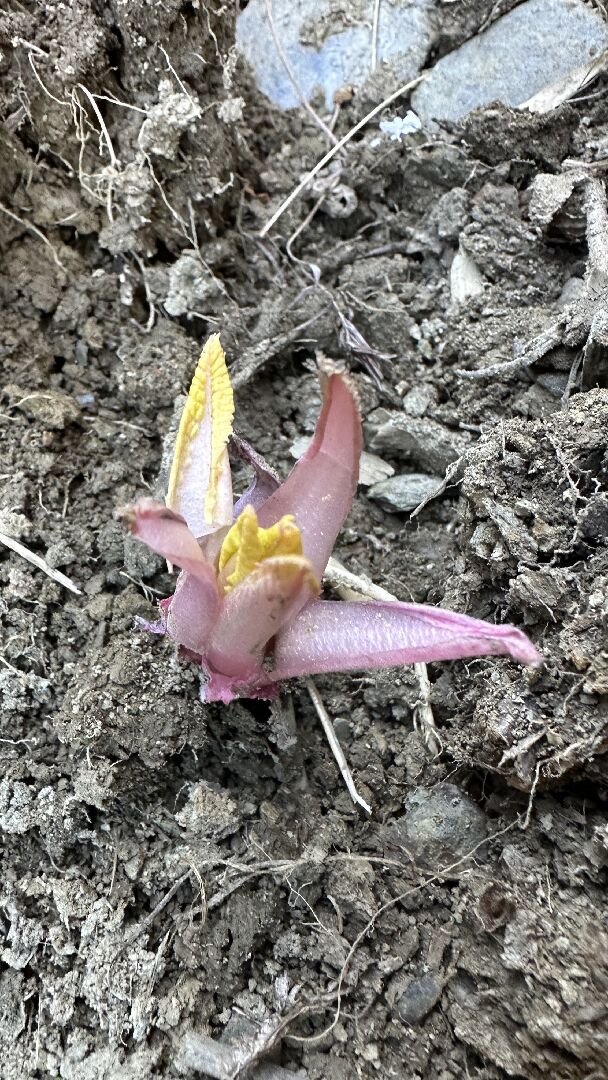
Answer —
583 325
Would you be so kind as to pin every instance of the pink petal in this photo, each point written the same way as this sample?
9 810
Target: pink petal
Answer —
346 635
321 486
265 480
193 611
194 607
166 533
254 611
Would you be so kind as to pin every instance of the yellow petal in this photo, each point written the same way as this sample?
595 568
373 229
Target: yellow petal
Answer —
246 545
199 483
241 549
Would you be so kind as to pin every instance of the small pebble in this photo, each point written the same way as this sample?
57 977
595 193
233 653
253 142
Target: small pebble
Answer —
425 442
418 999
441 825
405 492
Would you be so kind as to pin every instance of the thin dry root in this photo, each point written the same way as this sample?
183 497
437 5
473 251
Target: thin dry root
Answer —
336 749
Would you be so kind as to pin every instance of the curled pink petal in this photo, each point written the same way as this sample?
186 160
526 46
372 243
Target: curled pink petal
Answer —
321 486
347 635
253 612
265 480
166 533
193 609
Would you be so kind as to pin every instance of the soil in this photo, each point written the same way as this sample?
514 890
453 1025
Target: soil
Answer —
187 889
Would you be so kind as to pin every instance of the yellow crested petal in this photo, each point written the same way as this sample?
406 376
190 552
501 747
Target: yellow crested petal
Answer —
247 544
241 550
285 570
199 483
283 538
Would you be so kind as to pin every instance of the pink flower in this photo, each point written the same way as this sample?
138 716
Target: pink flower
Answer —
246 602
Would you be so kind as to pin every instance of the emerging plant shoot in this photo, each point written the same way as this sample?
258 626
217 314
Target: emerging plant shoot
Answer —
246 605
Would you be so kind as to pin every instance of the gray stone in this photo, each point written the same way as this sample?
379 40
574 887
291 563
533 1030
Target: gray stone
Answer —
371 467
330 48
405 492
549 194
465 279
418 999
421 440
441 825
531 47
418 399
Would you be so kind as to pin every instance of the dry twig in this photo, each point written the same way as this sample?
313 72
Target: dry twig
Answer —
38 561
375 22
440 875
35 230
291 75
334 150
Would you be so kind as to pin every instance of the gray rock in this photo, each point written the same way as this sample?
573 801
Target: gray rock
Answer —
441 825
418 998
330 47
465 279
405 492
371 467
214 1058
549 194
421 440
531 47
418 399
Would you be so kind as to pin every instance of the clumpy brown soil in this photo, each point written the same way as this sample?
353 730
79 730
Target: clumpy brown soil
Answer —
188 889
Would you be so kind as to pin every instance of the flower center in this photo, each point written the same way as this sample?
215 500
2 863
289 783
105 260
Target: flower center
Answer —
246 545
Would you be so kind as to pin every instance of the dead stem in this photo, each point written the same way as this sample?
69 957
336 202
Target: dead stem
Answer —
375 21
35 230
304 102
528 815
369 926
150 918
